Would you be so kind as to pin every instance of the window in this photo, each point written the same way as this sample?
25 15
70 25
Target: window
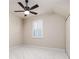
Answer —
37 30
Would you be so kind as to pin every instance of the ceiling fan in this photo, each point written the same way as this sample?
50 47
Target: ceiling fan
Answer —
27 9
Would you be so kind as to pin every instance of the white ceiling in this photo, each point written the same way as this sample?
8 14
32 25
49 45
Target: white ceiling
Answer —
60 7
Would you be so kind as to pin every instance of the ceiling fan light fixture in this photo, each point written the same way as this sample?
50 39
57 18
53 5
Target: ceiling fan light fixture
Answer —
26 9
27 12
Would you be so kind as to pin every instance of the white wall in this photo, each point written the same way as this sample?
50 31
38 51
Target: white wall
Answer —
54 31
68 36
15 30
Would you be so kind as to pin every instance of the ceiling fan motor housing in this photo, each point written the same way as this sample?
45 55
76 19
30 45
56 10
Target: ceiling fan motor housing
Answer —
27 9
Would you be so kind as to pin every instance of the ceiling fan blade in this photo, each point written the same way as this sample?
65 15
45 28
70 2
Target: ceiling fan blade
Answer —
19 11
33 12
21 5
26 1
27 7
35 6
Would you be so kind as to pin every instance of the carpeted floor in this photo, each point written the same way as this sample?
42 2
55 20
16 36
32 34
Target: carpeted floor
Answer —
34 52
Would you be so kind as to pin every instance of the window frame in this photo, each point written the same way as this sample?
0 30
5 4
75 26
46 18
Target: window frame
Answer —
37 21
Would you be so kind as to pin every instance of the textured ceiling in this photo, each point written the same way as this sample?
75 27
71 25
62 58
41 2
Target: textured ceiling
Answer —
60 7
